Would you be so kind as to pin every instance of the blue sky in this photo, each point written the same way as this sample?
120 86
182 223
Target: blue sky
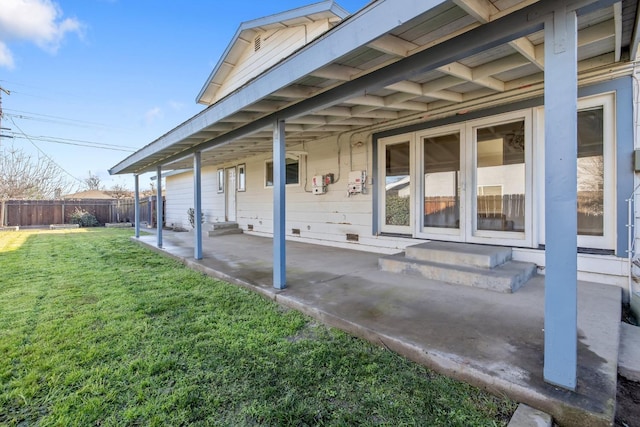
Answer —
117 72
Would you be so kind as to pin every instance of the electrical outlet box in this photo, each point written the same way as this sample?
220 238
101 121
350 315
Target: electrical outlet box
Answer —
318 184
357 182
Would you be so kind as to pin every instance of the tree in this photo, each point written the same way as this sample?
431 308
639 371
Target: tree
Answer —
120 191
93 182
24 177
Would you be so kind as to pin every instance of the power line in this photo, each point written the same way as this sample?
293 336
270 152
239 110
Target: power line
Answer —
69 141
1 113
87 144
43 153
66 95
46 118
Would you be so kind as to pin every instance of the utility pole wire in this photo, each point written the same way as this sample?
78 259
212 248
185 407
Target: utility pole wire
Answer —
45 154
8 93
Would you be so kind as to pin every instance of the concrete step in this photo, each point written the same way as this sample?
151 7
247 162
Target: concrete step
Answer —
628 360
224 225
224 231
456 254
506 278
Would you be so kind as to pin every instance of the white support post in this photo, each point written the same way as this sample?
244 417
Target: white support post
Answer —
159 218
197 203
279 205
561 228
136 208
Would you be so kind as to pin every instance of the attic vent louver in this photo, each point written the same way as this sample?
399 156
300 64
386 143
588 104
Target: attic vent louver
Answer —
256 44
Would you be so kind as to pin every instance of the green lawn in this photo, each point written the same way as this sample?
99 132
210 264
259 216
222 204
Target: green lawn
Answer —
96 330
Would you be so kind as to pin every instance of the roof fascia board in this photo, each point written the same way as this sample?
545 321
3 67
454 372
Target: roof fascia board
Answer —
170 173
312 9
324 6
517 24
635 39
371 22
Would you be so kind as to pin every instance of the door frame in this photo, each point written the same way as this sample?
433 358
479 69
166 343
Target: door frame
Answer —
606 100
230 194
382 144
506 238
452 234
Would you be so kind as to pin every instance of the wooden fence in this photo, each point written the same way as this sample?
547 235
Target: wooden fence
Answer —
27 213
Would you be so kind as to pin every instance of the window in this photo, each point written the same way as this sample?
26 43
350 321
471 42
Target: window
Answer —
292 169
242 178
220 180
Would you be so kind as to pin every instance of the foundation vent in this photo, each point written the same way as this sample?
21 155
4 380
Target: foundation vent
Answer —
249 227
352 237
295 231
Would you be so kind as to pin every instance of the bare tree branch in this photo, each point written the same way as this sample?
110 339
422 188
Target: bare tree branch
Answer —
93 182
24 177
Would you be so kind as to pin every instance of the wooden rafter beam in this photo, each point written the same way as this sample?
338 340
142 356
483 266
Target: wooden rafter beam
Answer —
596 33
463 72
393 45
337 72
420 90
296 91
484 11
481 10
617 17
501 65
529 51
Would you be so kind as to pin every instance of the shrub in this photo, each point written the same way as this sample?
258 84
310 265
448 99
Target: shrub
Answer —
84 218
192 213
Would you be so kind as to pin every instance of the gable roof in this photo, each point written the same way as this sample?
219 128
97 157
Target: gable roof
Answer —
247 31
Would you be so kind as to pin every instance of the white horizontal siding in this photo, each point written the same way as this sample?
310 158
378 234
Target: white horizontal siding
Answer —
275 46
321 218
179 198
212 201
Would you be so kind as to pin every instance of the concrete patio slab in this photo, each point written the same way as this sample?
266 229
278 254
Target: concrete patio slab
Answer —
491 340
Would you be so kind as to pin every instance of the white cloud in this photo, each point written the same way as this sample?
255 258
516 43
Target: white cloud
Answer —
177 106
6 58
37 21
152 115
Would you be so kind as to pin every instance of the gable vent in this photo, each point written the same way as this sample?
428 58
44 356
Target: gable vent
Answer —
256 44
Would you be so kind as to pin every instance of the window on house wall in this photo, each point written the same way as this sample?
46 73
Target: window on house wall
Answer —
242 177
292 172
220 180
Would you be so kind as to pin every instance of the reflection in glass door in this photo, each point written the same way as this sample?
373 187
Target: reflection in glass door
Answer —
441 181
397 187
465 182
500 178
591 172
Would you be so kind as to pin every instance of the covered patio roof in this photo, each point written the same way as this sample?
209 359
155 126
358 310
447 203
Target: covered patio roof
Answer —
393 62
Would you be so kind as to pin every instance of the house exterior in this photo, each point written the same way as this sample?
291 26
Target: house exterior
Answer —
508 123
